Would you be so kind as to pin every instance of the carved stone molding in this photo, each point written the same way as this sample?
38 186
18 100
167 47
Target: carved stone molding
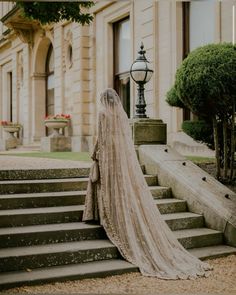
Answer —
24 28
67 57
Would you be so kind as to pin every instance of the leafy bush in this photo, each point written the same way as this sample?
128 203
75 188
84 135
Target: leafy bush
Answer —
205 82
200 131
173 99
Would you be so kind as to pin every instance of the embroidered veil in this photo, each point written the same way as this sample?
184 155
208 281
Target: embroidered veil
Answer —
121 199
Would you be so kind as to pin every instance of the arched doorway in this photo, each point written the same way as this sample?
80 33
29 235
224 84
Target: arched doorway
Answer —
42 86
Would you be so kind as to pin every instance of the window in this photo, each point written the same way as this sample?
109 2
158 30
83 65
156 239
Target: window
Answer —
186 6
49 84
201 32
122 61
10 102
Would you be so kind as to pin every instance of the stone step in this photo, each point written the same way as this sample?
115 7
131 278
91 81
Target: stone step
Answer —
171 205
30 174
66 272
183 220
52 185
199 237
161 192
151 180
36 200
43 185
62 214
49 233
69 198
46 215
213 251
143 168
22 258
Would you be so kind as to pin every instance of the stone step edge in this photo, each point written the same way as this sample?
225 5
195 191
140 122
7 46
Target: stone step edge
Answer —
39 181
41 228
82 245
43 195
68 272
21 252
211 252
58 209
30 174
56 180
63 193
82 271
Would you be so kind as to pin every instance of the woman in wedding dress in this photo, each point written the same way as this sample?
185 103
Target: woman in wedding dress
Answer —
121 200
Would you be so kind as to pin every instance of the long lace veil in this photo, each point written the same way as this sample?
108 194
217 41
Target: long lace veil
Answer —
126 207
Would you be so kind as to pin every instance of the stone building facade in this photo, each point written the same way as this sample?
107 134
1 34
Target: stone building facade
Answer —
62 68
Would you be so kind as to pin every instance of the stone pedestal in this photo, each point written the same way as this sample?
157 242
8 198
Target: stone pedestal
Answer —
8 143
11 143
56 144
148 131
3 145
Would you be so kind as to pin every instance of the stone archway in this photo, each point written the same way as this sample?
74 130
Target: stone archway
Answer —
39 87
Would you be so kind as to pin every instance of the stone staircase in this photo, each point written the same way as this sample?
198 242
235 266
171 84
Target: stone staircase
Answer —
42 238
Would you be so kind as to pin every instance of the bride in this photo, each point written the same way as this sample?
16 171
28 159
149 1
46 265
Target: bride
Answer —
119 197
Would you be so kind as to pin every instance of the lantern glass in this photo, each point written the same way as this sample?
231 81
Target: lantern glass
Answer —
140 71
149 75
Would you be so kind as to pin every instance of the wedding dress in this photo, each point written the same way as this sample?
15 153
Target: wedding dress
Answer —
123 203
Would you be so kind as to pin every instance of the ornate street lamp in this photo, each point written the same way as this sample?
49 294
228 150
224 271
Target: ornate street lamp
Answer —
141 74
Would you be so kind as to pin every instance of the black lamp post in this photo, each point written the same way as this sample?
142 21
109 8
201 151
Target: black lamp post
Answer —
141 74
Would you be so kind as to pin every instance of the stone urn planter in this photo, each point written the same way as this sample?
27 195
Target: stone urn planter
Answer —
56 125
11 129
11 140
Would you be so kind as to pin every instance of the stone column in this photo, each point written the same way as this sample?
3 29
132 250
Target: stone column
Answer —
38 106
27 96
83 112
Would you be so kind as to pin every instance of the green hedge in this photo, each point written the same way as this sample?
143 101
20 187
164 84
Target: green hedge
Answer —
200 131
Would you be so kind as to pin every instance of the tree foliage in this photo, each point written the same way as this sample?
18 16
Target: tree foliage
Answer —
47 12
206 84
173 99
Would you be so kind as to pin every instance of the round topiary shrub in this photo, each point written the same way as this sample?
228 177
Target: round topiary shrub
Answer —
205 82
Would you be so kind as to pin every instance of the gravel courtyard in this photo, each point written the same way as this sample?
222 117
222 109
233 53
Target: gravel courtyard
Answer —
221 281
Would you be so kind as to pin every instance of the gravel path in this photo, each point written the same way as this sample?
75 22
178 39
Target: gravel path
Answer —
14 162
221 281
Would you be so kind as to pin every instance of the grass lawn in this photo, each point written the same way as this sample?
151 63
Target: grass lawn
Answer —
84 156
198 160
74 156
